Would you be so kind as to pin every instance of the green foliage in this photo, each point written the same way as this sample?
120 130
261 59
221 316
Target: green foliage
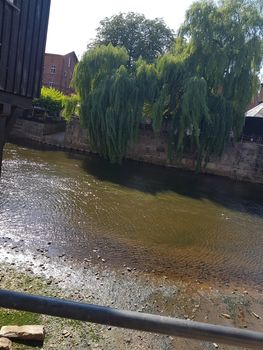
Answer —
211 74
95 65
50 99
140 36
71 106
202 86
111 102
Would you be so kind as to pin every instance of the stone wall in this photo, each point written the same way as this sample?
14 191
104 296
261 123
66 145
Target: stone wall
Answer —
242 161
36 130
76 137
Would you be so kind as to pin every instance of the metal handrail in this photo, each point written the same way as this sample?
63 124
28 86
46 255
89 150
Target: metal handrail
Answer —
130 319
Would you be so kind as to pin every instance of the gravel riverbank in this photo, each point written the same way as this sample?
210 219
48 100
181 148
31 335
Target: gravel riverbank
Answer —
36 271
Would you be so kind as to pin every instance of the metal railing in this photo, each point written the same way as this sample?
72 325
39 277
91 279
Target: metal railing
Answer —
131 320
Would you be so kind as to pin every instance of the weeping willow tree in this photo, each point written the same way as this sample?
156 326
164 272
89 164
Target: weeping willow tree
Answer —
211 74
112 98
203 85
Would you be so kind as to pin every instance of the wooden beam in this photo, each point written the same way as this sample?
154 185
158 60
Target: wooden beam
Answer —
11 99
3 119
15 113
8 116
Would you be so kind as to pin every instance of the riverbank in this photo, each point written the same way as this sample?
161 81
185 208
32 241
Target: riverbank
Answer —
242 161
37 272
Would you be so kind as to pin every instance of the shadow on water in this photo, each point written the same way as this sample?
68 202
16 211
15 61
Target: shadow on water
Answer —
152 179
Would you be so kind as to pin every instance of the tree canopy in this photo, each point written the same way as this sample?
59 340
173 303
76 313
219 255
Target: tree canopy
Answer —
214 66
141 37
202 85
111 101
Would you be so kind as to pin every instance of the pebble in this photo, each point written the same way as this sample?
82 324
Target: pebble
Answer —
256 315
65 333
226 316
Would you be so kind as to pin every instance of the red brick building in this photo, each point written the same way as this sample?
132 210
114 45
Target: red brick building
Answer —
58 71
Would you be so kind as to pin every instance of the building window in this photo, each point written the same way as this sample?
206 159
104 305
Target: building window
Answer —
51 84
53 69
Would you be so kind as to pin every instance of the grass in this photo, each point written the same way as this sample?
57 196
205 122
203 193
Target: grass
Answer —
80 333
18 318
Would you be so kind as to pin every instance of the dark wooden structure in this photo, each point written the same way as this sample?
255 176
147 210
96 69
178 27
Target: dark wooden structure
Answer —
253 128
23 30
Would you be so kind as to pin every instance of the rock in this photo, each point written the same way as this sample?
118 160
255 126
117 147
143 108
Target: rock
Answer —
65 333
5 344
23 332
257 316
226 316
215 345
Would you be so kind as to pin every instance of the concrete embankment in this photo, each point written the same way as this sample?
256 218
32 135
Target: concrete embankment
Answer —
242 161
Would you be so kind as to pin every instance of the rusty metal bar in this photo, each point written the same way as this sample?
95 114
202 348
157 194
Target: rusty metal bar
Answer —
131 319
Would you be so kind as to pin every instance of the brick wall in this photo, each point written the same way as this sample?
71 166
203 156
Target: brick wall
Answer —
58 70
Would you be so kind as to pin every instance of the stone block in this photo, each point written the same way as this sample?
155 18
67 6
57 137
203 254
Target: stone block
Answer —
23 332
5 344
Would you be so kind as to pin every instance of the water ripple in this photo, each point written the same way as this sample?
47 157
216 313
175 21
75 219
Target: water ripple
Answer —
207 231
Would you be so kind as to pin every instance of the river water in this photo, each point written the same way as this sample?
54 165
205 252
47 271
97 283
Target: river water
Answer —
171 222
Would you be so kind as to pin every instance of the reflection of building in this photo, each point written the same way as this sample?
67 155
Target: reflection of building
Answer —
58 71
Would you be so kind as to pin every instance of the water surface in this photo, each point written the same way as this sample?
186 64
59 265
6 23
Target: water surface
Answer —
175 223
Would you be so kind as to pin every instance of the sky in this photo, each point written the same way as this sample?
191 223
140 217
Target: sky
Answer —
72 24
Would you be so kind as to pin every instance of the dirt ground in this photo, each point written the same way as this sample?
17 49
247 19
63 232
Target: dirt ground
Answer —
37 273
